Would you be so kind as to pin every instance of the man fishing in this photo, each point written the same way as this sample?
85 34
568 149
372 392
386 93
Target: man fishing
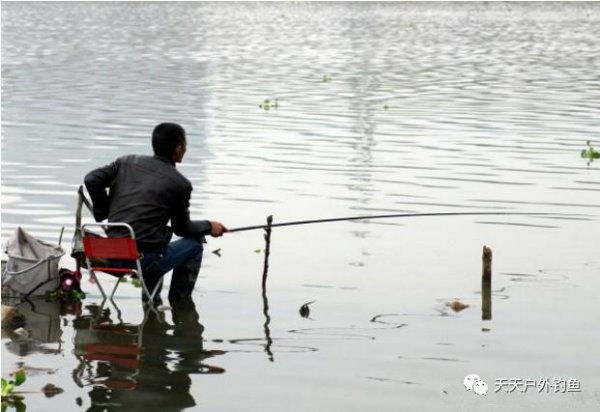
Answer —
147 192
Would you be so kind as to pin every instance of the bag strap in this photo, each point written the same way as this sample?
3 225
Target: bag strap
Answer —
38 263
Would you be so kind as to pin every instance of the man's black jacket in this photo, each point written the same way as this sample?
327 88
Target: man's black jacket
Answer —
145 192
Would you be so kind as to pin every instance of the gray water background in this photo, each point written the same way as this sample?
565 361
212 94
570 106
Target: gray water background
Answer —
430 107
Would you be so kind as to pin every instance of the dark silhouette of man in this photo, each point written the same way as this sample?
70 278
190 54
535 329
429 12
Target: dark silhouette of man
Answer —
147 192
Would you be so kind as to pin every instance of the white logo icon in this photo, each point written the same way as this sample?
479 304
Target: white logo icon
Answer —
475 383
480 388
470 381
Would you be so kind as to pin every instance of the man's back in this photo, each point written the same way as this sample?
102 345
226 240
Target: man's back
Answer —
145 192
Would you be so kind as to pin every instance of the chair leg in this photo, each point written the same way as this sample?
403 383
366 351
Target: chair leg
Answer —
119 315
146 292
115 288
93 274
151 308
158 285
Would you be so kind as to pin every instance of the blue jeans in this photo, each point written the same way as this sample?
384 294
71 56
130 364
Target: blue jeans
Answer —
184 256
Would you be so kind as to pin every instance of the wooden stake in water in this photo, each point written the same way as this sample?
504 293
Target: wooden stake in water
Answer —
267 250
268 339
486 284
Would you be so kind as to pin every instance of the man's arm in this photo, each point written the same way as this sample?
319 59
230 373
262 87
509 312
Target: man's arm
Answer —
96 183
185 227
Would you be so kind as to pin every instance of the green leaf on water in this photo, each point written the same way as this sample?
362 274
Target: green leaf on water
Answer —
20 377
8 388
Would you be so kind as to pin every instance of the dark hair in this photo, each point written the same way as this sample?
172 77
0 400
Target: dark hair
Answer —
166 137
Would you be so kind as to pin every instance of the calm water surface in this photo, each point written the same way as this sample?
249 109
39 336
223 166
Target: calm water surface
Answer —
424 108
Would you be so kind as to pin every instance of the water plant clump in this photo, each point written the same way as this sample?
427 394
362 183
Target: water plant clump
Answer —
69 289
590 153
268 104
65 295
9 397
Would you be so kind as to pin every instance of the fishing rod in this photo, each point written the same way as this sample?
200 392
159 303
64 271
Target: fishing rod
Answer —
369 217
349 218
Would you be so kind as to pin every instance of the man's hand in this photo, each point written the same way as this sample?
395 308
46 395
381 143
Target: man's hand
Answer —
217 229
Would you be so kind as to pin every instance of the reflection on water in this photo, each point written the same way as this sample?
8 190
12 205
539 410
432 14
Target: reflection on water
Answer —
41 322
137 367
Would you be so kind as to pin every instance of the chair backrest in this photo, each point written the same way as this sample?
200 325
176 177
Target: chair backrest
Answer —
123 248
98 247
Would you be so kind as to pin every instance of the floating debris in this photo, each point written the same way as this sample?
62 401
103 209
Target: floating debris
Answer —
163 308
385 107
590 153
267 104
326 78
51 390
456 305
21 332
12 318
305 310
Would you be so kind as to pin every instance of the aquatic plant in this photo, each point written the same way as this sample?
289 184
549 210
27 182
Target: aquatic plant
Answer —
9 398
590 153
268 104
8 386
69 289
326 78
64 295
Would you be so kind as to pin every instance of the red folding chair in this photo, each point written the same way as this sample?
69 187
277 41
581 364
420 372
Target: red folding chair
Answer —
104 249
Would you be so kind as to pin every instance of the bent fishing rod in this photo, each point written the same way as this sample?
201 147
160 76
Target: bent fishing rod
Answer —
350 218
389 216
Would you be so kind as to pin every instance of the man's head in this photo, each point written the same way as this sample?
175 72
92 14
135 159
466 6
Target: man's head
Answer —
168 140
